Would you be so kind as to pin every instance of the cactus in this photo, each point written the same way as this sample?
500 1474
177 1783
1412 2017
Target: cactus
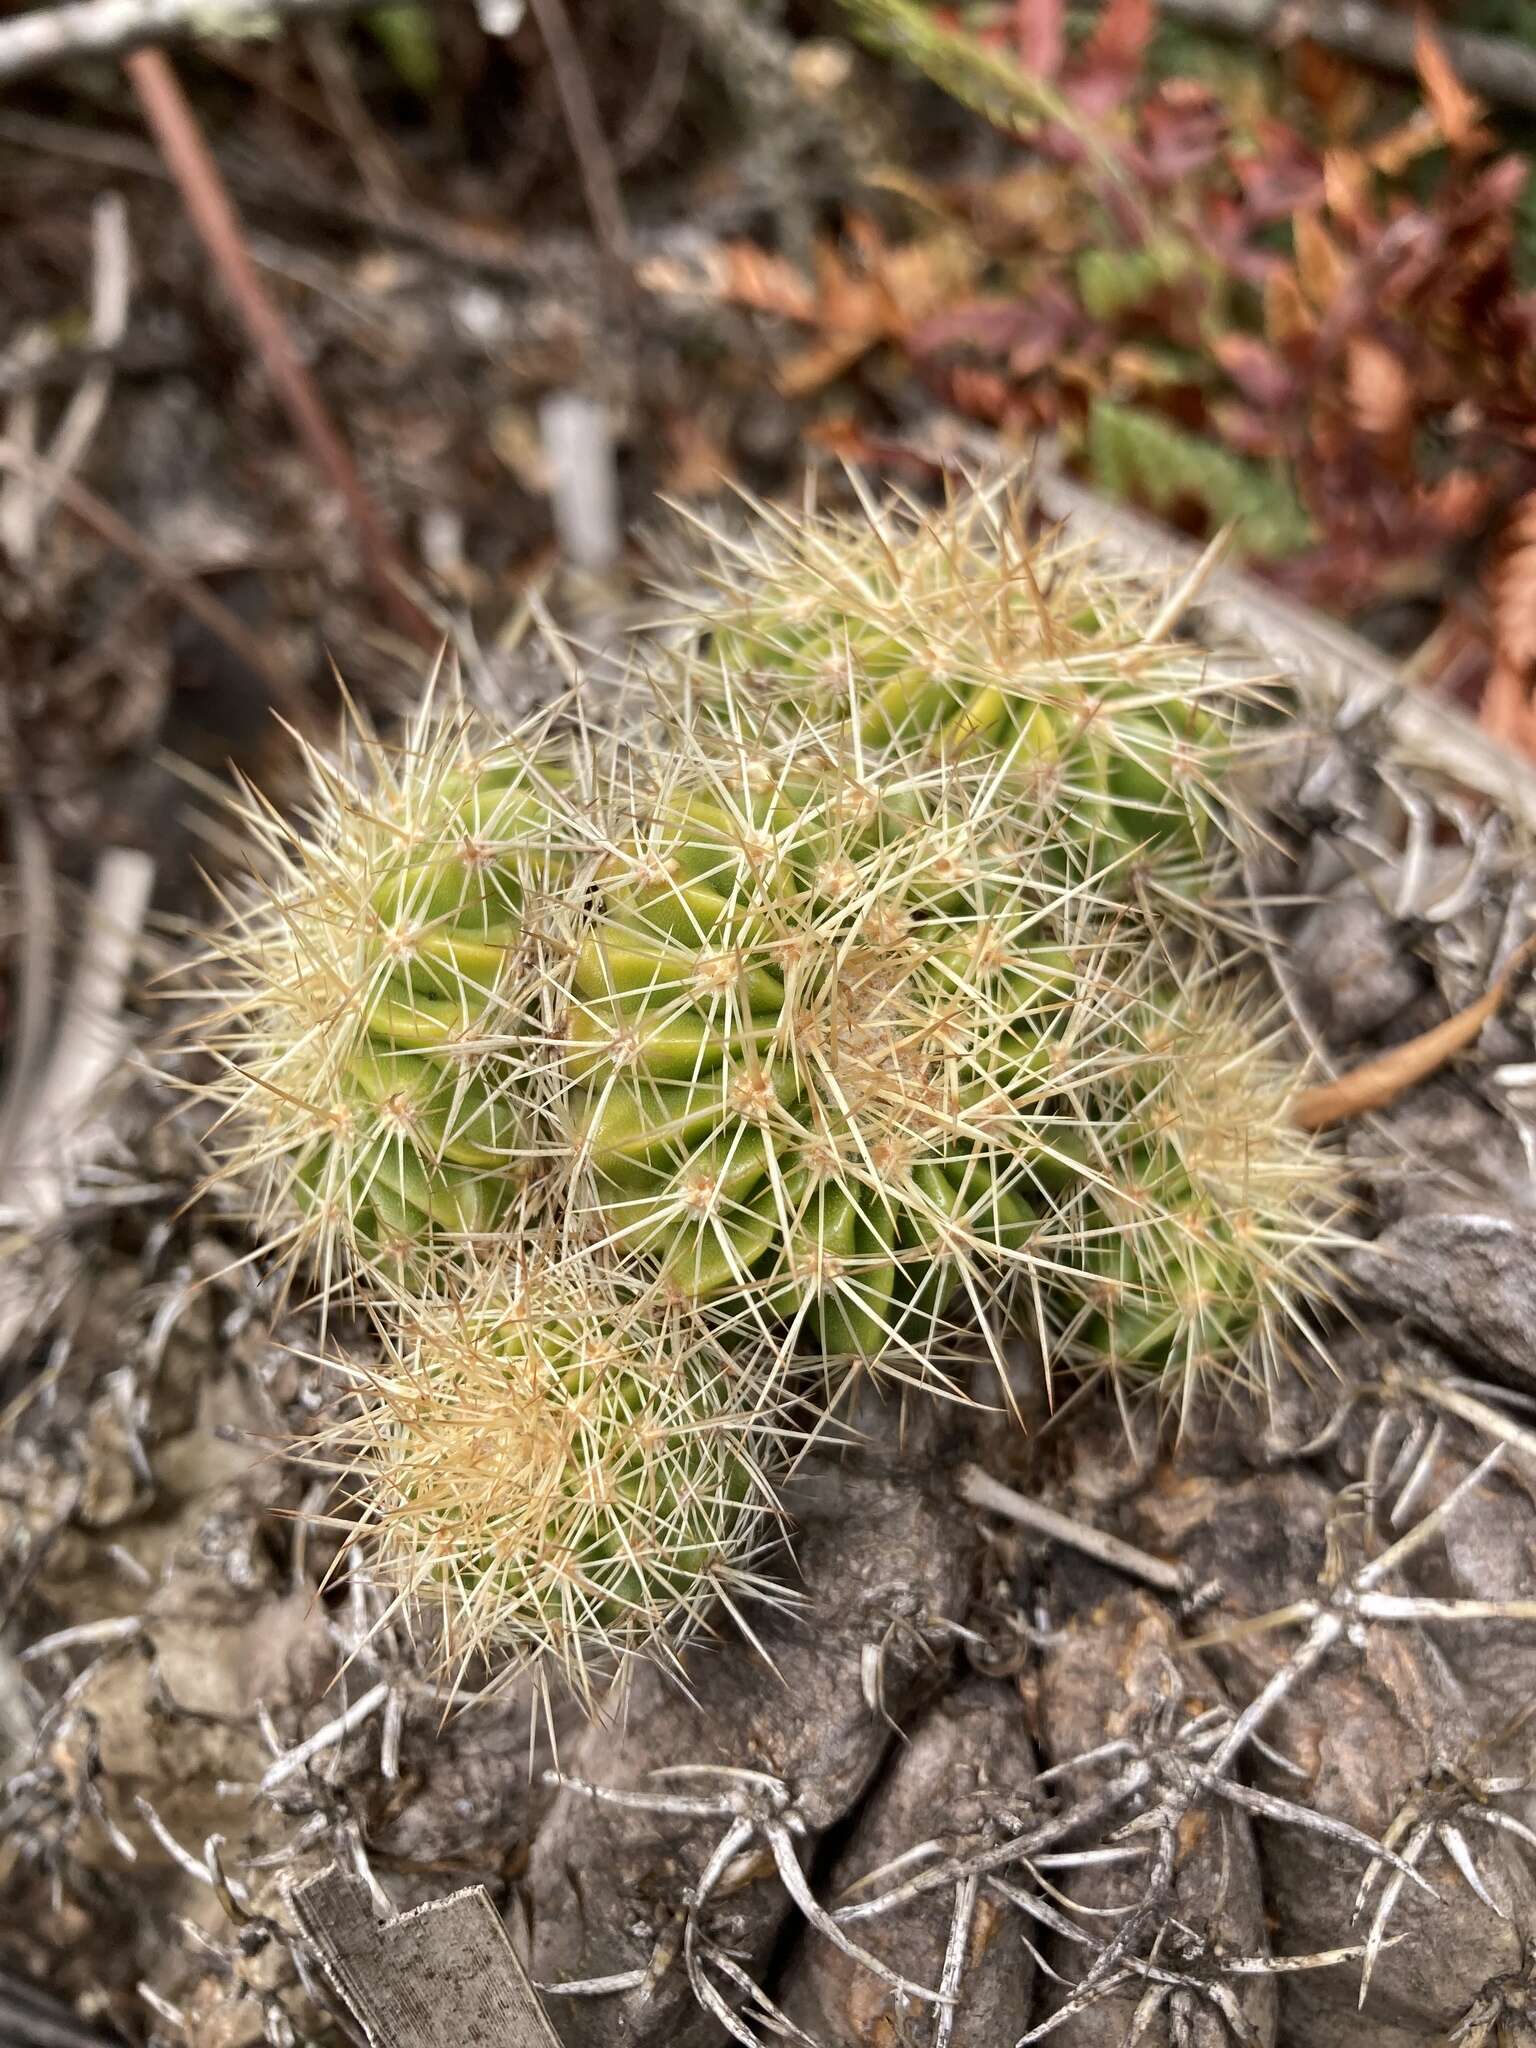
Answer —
829 1038
1206 1241
559 1470
868 995
957 632
380 990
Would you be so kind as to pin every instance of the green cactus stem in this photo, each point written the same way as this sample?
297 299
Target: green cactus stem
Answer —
1206 1243
960 633
828 1037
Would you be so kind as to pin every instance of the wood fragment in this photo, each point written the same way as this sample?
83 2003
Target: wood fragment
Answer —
1499 67
442 1976
1379 1082
982 1491
47 36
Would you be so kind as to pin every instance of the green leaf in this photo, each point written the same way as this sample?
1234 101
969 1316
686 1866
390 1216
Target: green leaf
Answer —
1140 456
408 37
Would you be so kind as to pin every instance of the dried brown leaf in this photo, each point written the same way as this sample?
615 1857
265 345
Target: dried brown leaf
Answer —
1321 267
1457 112
1338 88
1347 187
1288 322
1380 388
753 277
1393 152
1514 604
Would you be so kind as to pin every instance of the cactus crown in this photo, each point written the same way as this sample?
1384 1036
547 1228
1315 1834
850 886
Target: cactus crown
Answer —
831 1036
961 633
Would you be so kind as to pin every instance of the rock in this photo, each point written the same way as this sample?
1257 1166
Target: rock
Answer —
1353 967
1446 1148
1470 1277
968 1755
886 1567
1119 1670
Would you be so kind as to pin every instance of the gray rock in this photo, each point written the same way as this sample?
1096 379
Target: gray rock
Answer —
1353 967
1469 1277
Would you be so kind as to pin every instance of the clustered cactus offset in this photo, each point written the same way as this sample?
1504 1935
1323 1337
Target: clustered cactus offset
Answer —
377 999
560 1467
876 981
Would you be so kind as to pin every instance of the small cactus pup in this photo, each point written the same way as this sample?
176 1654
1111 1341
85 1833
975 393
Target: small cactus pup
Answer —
561 1473
380 986
1207 1240
959 632
831 1026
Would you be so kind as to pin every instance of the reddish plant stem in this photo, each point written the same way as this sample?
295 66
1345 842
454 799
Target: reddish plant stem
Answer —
213 215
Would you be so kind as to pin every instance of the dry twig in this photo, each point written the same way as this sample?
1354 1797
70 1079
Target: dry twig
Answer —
594 159
212 213
982 1491
1379 1082
94 513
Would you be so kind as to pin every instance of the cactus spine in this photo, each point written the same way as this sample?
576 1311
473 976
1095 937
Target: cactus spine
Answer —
1205 1246
959 634
827 1038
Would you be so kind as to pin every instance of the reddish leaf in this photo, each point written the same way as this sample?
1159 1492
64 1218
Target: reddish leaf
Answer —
981 393
1247 432
1284 177
1120 37
1110 62
1506 713
1259 374
1514 597
1181 130
1458 503
1039 36
1029 334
